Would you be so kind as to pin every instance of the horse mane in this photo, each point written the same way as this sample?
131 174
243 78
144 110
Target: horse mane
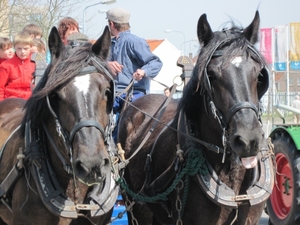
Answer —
69 64
237 45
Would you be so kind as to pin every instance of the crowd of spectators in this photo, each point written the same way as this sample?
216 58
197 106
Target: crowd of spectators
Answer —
130 59
19 58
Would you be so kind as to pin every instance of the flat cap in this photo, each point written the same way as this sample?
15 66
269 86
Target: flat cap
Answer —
78 37
118 15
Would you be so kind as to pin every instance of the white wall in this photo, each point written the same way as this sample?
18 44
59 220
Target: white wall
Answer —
169 55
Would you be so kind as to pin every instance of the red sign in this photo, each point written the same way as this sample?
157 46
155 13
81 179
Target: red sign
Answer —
266 44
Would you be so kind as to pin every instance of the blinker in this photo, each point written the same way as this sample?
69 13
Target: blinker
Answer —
263 80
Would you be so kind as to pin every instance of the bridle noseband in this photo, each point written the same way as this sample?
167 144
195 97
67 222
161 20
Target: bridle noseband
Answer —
86 123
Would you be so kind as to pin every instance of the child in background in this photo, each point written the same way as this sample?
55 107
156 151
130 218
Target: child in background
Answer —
38 55
17 72
38 46
34 31
6 49
66 27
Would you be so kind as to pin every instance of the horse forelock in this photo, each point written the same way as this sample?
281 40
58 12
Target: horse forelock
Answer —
70 64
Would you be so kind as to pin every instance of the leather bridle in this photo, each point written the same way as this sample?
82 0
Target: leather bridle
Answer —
225 119
68 139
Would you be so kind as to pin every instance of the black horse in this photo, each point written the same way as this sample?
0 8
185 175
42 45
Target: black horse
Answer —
56 154
206 160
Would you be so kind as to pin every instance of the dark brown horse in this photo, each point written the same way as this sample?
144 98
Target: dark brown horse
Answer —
56 152
207 161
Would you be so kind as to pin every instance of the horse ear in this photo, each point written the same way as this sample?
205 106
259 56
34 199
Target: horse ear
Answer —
204 32
102 45
251 32
55 43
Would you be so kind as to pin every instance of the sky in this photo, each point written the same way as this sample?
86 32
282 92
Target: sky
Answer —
149 19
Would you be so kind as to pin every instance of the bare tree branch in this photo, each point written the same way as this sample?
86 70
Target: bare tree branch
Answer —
16 14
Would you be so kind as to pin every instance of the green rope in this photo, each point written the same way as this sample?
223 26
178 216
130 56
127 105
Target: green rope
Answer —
195 164
185 193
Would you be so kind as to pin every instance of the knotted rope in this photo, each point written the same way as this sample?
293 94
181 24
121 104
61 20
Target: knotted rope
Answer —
195 164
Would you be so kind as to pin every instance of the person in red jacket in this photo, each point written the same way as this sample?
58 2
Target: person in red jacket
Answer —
16 74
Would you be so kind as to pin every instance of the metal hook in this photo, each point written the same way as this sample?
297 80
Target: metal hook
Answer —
224 142
213 109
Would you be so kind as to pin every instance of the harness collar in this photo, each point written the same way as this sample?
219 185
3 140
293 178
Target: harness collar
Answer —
219 192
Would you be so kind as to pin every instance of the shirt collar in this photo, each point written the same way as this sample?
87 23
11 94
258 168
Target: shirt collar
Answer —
121 34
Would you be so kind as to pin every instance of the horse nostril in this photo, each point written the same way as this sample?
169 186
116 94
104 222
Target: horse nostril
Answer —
246 145
106 162
105 165
81 168
239 142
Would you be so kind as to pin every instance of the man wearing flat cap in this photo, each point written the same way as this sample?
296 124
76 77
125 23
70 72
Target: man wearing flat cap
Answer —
130 58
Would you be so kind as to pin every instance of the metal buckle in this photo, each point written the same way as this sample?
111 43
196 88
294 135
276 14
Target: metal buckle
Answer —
87 207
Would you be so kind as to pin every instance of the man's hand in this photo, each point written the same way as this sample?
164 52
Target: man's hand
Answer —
138 75
115 67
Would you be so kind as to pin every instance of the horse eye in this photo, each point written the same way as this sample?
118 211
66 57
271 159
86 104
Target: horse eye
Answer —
109 98
54 96
260 78
211 75
108 92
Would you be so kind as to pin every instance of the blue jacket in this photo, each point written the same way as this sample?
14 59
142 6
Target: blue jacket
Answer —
133 53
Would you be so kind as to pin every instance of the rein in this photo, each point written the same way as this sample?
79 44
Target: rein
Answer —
160 113
209 146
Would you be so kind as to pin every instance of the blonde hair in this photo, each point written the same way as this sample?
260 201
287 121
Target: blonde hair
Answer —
33 29
5 43
23 38
39 44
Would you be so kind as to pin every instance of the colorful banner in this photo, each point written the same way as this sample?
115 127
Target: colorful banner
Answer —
266 44
295 46
280 48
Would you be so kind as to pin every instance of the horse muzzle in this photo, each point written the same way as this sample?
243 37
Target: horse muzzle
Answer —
92 171
246 141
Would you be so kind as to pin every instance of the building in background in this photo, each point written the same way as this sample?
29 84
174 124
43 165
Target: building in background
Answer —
170 72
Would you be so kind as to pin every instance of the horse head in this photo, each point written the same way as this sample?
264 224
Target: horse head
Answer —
82 103
231 76
72 105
